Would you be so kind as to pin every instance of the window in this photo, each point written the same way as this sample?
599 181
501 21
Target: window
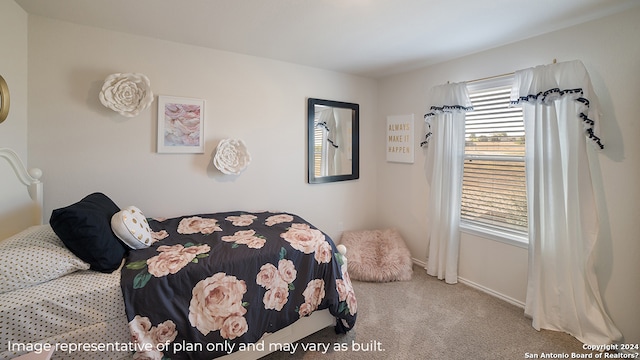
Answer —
493 186
318 139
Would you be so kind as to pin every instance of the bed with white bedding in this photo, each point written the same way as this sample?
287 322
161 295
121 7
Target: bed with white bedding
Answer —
83 306
65 301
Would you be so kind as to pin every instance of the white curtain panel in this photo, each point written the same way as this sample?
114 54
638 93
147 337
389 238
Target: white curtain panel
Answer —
561 120
326 121
445 156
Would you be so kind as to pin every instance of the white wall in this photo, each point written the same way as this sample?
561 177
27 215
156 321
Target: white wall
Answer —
610 50
16 206
84 147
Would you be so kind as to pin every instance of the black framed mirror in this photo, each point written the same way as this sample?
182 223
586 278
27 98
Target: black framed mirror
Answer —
333 141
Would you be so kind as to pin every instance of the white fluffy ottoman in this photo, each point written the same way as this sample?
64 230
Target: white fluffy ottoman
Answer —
377 255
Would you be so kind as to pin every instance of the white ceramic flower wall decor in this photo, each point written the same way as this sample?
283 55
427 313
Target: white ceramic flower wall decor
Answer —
231 156
127 94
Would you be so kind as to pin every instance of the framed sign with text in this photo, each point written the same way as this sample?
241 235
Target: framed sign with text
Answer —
400 141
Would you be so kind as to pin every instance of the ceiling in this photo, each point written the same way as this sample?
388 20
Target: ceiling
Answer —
372 38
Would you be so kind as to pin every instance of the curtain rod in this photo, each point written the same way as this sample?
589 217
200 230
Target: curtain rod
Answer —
498 76
491 77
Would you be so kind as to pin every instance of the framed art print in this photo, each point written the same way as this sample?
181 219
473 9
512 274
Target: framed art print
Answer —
180 125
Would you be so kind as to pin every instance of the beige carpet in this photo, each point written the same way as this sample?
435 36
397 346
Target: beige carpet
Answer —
427 319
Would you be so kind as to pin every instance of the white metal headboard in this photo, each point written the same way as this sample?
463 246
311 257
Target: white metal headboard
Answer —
30 178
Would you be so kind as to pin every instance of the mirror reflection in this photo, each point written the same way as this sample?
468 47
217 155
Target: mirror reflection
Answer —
333 141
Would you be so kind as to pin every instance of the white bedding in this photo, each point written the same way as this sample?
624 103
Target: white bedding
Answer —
82 307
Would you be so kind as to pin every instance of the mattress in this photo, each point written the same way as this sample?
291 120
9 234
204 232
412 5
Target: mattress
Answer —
85 307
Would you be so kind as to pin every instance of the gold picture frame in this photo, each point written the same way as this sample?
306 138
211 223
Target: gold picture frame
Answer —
4 100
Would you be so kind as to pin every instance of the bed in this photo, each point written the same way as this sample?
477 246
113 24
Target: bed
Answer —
220 285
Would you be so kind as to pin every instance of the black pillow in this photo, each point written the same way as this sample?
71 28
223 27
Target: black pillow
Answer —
85 228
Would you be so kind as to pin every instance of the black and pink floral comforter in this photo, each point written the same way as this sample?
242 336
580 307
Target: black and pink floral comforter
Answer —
222 281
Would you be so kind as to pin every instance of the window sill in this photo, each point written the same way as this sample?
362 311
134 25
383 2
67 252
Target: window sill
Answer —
503 236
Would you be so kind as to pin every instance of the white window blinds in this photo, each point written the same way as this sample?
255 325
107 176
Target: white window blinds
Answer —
493 188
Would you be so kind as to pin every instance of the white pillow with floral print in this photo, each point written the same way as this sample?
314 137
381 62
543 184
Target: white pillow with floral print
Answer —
34 256
131 226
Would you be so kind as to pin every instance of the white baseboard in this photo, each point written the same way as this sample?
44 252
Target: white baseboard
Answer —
494 293
477 286
420 263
